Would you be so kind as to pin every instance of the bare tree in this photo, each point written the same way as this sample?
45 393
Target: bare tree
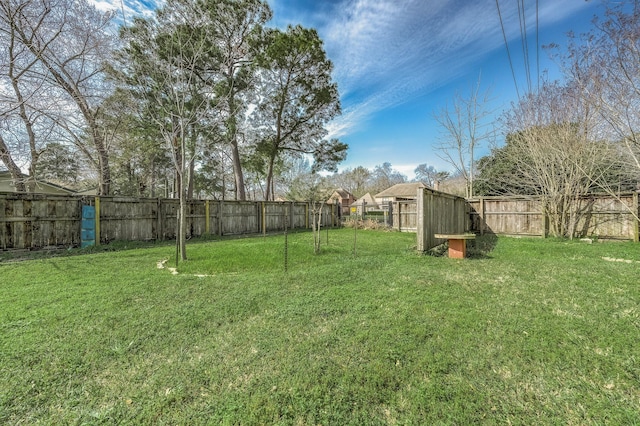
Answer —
385 176
464 129
353 180
429 175
21 82
605 64
552 153
67 41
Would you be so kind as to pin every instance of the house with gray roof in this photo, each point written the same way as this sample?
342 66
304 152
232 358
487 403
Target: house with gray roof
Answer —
7 184
364 204
399 192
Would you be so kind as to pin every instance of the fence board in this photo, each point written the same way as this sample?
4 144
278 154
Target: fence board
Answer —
404 215
30 221
439 213
35 220
602 216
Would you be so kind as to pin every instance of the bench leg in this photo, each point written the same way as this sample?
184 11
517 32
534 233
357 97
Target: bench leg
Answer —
457 249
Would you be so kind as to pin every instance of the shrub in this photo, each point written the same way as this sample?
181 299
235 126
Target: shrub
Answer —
370 224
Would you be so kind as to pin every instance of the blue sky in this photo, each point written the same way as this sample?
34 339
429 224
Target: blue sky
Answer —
398 62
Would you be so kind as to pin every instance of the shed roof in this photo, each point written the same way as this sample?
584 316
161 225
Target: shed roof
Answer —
40 185
403 190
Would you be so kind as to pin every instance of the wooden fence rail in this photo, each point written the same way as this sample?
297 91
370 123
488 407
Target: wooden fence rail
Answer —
601 216
31 221
439 213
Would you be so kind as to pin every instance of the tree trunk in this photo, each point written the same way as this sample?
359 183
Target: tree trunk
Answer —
22 111
192 171
182 222
16 174
269 195
183 226
232 135
237 171
104 171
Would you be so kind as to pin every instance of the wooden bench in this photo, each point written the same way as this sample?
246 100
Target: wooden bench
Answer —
457 244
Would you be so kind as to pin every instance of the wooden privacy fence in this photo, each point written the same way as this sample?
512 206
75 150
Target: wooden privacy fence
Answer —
439 213
404 215
31 221
601 216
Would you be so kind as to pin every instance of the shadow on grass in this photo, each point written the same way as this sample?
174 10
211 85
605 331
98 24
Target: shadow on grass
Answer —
20 255
479 248
482 246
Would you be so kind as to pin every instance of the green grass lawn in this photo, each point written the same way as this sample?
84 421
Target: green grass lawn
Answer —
528 331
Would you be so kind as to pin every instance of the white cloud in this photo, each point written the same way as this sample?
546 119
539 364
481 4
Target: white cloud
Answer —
128 8
386 52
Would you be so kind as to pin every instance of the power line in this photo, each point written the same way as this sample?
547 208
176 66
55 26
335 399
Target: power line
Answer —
538 45
124 18
525 43
504 35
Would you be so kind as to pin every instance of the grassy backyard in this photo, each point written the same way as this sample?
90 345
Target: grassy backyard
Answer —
528 331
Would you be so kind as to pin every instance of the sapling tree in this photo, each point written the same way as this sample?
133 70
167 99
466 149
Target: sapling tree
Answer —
315 190
165 63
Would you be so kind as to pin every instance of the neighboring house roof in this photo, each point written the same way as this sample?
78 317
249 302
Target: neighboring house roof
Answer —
340 194
367 199
343 193
88 191
41 186
402 190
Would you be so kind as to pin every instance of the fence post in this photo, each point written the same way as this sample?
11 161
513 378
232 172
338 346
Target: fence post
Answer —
420 232
258 209
97 205
636 228
220 206
396 214
430 223
160 220
290 215
333 216
207 224
481 212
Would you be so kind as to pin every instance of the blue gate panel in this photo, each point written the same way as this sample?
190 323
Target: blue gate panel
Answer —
88 226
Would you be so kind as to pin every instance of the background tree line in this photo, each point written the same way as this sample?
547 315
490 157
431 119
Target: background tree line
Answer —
204 99
200 98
